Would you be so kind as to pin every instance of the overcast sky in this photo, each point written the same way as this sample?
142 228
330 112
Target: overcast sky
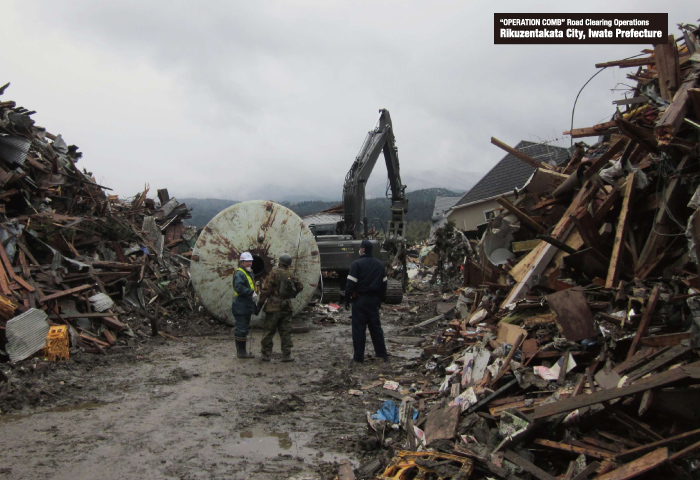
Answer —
256 100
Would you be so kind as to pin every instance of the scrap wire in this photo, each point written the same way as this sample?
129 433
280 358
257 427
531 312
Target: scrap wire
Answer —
573 110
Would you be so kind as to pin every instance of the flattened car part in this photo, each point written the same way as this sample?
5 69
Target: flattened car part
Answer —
266 230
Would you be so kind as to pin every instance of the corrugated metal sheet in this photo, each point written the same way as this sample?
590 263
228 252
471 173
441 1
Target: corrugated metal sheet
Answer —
14 149
101 302
26 334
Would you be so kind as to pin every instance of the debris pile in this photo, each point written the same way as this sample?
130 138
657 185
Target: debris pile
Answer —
70 250
572 350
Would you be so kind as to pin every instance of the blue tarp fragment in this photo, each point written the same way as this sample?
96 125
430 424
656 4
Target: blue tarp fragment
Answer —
390 412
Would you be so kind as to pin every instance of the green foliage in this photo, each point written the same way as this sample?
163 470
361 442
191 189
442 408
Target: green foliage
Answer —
420 207
417 231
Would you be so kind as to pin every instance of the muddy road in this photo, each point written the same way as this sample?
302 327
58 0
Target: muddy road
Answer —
189 409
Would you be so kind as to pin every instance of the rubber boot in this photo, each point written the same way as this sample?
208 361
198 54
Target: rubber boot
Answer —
242 352
287 357
264 357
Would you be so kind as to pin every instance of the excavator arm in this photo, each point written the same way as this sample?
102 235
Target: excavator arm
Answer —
381 139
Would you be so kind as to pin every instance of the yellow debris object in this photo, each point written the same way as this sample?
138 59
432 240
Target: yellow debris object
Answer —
427 465
57 343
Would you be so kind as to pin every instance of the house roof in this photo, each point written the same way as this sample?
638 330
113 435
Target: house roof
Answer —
442 204
511 173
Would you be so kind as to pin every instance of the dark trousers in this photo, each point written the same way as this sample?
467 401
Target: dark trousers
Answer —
365 314
242 325
277 321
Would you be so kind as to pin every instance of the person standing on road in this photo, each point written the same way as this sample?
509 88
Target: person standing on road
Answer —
245 296
366 285
277 292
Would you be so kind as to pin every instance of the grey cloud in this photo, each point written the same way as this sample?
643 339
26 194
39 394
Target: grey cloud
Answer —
262 90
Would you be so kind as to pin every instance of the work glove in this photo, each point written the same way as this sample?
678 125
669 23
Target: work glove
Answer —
255 297
347 304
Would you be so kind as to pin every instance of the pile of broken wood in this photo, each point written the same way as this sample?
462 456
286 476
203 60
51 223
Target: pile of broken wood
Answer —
70 250
576 354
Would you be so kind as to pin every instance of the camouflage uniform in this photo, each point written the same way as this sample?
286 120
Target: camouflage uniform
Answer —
278 311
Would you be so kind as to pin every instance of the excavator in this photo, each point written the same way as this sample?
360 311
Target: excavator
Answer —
339 242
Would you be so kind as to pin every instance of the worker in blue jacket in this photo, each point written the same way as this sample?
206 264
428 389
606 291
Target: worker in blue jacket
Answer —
245 296
365 288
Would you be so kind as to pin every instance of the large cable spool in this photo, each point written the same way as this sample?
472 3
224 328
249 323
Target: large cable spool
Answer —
266 230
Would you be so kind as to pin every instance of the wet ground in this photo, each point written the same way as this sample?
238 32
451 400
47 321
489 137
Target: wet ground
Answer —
190 409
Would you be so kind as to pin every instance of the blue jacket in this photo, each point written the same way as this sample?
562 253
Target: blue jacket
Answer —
367 276
243 302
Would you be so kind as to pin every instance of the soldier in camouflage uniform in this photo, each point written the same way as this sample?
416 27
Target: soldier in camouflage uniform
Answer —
277 292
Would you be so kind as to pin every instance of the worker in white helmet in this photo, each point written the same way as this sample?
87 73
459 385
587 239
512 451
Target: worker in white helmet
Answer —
245 296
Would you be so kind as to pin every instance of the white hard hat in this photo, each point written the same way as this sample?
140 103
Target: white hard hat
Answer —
246 257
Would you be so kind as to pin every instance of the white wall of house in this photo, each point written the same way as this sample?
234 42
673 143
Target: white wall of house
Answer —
470 216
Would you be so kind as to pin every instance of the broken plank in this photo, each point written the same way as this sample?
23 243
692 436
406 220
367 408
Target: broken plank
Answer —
669 340
586 472
579 401
523 406
70 291
573 316
639 358
528 466
4 284
520 155
646 320
586 226
641 465
92 339
111 339
620 234
495 394
8 265
602 161
525 246
605 207
441 424
628 62
670 122
535 262
24 284
593 131
625 456
684 452
659 362
520 215
638 427
426 322
619 439
667 67
589 452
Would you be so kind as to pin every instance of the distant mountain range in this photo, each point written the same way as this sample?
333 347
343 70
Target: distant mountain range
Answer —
420 206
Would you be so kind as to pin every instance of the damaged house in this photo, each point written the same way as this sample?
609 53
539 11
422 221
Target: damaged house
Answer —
509 175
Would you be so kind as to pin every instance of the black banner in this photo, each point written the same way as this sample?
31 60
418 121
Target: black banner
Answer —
583 28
